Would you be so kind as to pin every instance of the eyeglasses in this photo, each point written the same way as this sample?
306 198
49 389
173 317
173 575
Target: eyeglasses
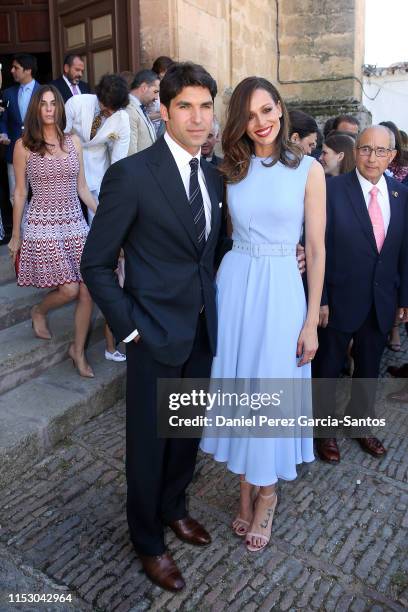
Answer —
366 151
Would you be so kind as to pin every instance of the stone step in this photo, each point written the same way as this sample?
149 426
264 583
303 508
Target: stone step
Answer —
6 267
23 356
16 303
41 412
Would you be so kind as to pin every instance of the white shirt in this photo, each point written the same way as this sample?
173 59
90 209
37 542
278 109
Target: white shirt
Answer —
182 159
68 82
382 196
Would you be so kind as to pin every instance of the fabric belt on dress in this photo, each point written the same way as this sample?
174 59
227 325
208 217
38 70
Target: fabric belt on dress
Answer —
276 249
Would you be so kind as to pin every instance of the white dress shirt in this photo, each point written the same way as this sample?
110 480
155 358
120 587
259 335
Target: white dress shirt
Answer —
68 82
382 196
182 159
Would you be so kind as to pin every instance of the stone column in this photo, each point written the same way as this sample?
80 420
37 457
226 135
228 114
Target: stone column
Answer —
321 45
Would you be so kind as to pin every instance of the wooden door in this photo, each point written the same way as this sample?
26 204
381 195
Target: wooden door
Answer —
105 33
25 28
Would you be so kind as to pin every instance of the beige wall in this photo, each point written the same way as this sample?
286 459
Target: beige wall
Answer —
231 38
321 40
237 38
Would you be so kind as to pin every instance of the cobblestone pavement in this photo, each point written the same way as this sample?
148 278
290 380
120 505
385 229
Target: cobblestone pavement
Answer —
339 536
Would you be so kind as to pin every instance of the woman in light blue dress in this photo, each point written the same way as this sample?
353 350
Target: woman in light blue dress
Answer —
266 331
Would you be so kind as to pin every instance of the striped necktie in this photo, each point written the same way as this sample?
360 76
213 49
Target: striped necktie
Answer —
197 202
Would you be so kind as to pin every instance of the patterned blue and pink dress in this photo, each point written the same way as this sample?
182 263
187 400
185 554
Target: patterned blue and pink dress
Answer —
55 230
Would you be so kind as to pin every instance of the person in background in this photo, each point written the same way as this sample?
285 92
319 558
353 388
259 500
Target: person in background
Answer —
102 125
70 83
399 165
15 102
346 123
303 131
398 168
207 149
144 90
55 231
338 154
321 137
160 66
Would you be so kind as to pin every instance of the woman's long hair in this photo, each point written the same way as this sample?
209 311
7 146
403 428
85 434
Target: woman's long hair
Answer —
343 143
238 147
33 137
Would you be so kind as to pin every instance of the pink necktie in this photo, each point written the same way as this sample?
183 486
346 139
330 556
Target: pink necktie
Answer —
75 90
376 217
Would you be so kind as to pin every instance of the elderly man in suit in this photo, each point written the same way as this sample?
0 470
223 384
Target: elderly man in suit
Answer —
15 102
163 207
366 279
143 91
207 150
70 82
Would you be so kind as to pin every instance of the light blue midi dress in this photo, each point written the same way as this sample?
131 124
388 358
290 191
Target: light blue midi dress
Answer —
261 309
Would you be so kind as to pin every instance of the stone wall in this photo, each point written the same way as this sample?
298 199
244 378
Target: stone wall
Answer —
322 41
318 39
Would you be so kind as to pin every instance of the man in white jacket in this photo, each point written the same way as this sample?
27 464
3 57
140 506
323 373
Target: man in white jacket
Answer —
102 125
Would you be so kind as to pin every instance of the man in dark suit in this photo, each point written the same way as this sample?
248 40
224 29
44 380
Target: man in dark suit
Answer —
366 279
163 207
15 102
69 83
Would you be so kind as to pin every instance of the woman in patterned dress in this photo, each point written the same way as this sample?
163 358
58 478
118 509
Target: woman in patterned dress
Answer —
55 230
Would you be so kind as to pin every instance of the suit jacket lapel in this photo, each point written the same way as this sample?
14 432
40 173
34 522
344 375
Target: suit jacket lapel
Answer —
360 208
15 105
215 208
395 215
165 171
68 91
146 121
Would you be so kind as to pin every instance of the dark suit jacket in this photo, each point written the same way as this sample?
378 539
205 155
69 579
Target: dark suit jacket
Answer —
357 276
143 208
11 122
215 160
65 91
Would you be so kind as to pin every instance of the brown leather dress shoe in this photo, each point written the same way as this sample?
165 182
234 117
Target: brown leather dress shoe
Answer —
373 446
400 396
328 450
163 571
189 530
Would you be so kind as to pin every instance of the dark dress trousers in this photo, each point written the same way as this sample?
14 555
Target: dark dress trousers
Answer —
362 289
65 91
143 208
